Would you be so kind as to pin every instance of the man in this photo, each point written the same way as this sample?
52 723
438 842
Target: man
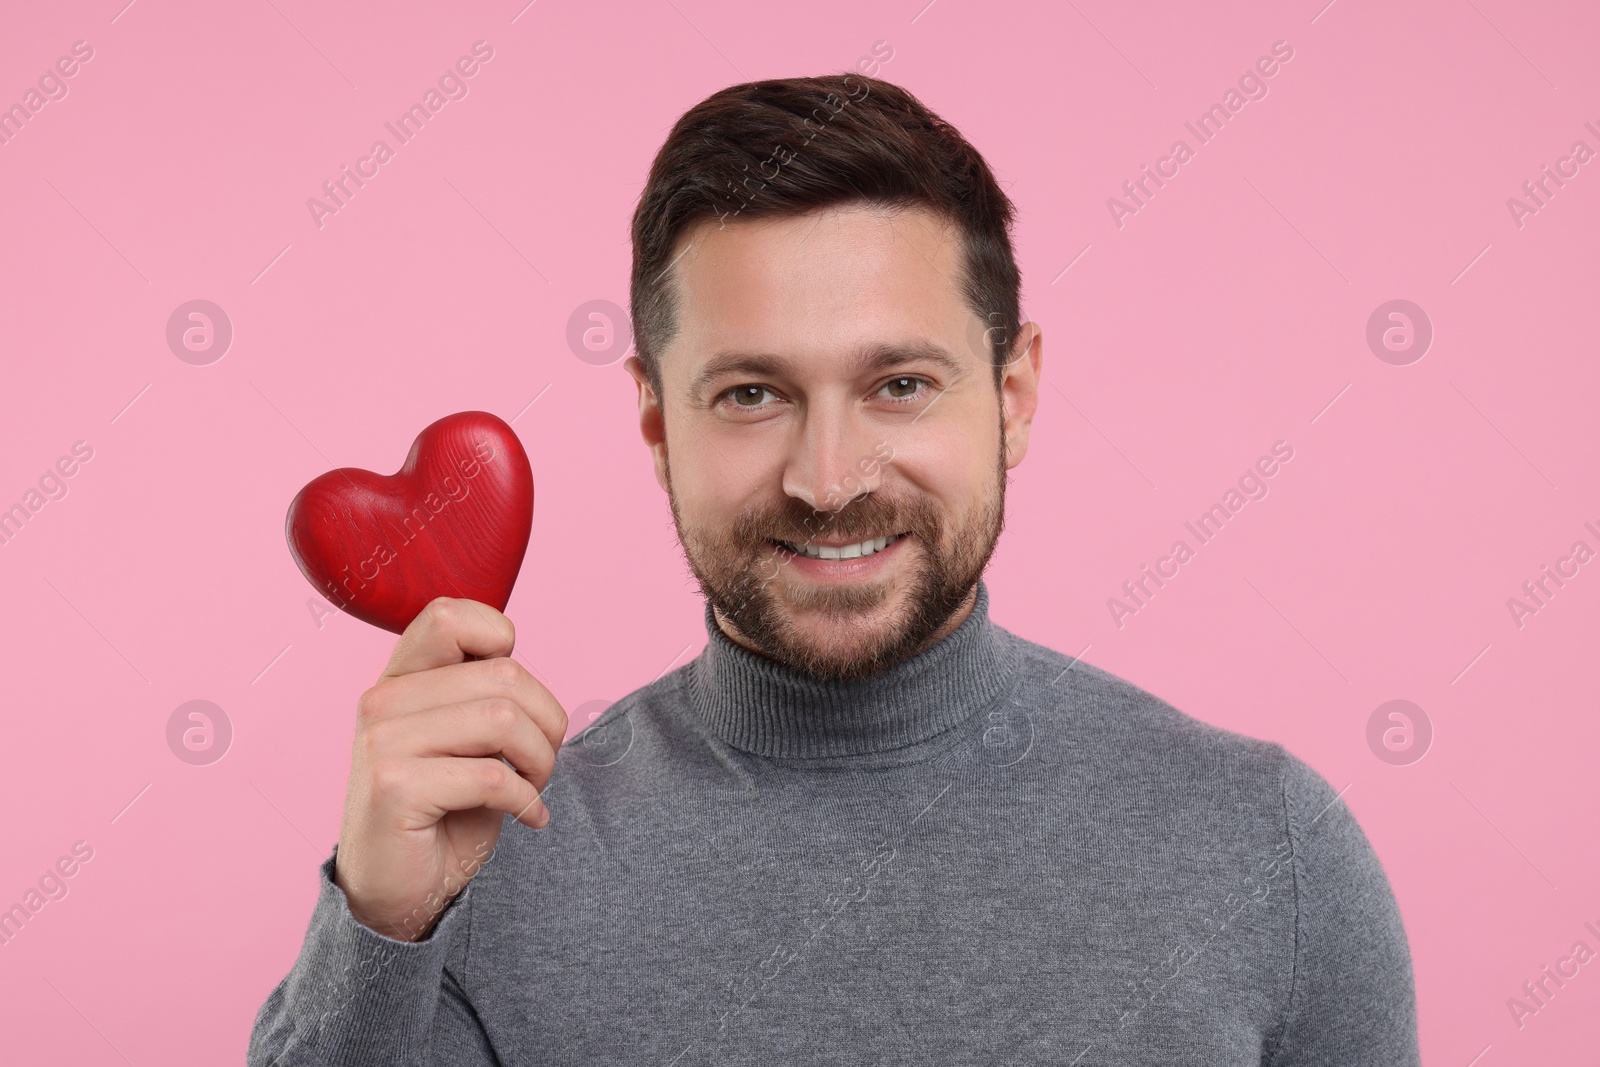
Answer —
866 824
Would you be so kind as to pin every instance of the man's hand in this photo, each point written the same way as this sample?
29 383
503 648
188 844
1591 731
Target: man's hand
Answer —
427 785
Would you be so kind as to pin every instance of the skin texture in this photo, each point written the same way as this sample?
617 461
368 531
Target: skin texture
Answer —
828 450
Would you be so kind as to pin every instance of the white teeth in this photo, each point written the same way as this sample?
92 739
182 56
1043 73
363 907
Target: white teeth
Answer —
862 548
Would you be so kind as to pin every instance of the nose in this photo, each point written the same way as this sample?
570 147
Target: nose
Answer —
831 459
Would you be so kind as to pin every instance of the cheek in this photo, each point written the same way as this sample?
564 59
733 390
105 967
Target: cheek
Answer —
941 473
955 459
714 480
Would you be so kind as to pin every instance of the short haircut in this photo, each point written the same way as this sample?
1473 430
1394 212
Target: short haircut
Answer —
788 146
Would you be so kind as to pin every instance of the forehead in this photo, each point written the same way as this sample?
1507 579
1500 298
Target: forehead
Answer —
815 285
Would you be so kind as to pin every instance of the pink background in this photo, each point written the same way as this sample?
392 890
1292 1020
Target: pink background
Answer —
1227 314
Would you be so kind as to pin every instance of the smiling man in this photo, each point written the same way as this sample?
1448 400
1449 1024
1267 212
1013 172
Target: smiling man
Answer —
840 451
866 824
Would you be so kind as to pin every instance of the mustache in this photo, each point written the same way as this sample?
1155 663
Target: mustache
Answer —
866 516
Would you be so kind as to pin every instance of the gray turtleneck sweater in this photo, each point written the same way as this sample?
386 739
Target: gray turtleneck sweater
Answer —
990 854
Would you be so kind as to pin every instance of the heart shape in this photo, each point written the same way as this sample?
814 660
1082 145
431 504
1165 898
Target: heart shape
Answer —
453 521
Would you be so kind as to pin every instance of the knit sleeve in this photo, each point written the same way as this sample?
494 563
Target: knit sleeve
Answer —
355 997
1351 1000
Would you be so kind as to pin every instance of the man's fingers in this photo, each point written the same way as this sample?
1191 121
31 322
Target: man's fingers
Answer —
453 783
487 727
459 683
447 631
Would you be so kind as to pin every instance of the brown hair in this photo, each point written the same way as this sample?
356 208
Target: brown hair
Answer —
791 145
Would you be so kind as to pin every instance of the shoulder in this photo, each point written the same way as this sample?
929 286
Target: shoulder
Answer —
1145 751
1127 726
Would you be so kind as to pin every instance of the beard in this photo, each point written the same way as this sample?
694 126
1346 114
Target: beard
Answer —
745 578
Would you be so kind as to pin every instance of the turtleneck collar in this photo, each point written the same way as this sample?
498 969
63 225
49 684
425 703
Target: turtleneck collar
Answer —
756 705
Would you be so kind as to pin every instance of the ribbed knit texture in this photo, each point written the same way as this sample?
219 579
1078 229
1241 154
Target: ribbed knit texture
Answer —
992 853
777 713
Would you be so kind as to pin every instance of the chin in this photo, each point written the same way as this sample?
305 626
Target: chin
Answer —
840 643
869 607
832 629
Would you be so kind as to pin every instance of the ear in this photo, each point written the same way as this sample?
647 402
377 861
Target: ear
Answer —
652 424
1019 391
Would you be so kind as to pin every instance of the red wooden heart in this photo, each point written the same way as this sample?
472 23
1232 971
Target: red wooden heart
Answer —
453 521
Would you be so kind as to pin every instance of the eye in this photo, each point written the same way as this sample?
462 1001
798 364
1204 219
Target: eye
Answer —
748 396
902 388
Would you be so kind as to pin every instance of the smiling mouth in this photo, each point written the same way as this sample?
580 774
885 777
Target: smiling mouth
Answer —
855 551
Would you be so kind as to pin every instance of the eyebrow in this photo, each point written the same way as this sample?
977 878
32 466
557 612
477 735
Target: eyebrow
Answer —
876 357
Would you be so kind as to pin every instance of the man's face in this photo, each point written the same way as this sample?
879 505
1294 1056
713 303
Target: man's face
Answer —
838 448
